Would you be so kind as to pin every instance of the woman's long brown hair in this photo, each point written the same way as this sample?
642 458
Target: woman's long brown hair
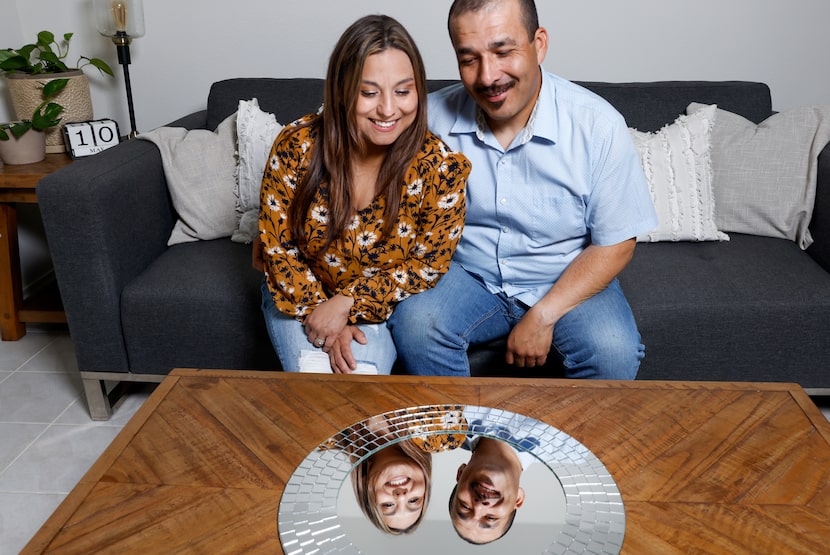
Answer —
338 141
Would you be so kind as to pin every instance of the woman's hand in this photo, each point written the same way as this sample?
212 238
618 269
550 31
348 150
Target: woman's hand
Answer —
327 321
340 352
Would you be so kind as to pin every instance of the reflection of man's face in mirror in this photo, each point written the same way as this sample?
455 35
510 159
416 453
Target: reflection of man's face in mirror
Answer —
399 486
487 494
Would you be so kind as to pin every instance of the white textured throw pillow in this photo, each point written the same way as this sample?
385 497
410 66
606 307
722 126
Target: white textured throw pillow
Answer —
765 174
199 168
678 169
256 131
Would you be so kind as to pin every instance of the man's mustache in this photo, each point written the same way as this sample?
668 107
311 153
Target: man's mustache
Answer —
493 90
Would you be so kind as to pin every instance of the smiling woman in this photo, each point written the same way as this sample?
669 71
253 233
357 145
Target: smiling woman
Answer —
361 206
392 474
393 487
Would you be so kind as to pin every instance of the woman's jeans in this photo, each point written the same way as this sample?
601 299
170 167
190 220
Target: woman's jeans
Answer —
432 330
289 340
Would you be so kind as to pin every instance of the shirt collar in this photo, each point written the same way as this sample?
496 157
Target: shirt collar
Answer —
542 121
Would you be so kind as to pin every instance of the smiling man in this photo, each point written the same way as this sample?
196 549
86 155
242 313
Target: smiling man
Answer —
555 200
487 494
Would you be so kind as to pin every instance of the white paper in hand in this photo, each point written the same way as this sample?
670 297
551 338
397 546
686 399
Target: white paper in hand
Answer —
317 362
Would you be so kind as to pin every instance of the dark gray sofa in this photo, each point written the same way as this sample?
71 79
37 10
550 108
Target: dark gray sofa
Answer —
751 309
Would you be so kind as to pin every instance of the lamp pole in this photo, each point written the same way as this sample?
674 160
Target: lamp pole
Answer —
122 45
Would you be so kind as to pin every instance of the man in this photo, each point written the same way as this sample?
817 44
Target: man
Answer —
555 200
488 493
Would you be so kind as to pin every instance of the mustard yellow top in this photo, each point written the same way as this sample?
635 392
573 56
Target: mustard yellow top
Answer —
377 272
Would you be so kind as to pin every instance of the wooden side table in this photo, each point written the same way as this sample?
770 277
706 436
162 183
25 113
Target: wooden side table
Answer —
18 184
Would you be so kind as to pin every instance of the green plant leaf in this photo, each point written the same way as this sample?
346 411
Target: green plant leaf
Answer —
101 65
27 50
14 63
47 117
54 87
49 57
17 129
20 129
44 39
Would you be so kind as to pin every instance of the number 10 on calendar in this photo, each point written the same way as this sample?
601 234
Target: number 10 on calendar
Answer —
90 137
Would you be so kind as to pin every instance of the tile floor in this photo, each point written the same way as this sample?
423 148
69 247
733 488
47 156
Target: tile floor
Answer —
47 441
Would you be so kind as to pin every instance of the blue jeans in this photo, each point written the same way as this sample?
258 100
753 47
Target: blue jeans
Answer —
432 330
289 339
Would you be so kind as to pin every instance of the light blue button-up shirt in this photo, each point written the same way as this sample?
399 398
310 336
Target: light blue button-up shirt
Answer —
571 178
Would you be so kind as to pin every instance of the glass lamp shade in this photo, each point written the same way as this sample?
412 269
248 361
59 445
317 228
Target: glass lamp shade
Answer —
119 16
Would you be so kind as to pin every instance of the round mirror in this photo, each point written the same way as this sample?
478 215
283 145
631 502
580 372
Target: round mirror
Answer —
451 478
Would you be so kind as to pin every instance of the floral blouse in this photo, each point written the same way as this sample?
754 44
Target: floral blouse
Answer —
377 272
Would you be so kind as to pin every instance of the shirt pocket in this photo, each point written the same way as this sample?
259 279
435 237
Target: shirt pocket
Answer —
557 216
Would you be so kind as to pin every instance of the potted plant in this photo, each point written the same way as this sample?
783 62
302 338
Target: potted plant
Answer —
30 68
24 141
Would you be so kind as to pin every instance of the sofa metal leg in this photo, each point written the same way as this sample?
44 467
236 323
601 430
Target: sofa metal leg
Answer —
97 399
101 402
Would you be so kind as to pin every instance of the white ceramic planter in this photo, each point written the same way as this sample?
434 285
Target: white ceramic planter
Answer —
28 149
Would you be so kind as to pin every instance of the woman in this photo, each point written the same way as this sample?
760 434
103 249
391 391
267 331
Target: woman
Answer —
361 206
392 456
393 487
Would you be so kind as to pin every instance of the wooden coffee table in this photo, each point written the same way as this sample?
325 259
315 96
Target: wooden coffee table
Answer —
702 467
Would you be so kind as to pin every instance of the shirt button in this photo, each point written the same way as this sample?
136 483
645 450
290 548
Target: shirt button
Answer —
505 230
503 201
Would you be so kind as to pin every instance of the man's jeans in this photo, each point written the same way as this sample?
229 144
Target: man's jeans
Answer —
432 330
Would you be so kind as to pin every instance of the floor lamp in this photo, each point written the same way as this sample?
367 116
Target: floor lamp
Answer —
122 21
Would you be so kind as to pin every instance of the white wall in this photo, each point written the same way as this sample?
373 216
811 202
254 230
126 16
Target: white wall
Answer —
191 43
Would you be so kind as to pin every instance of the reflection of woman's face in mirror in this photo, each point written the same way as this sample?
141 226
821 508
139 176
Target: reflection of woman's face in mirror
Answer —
393 487
399 486
487 493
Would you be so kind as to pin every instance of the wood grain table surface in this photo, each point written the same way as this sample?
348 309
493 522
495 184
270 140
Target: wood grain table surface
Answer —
702 467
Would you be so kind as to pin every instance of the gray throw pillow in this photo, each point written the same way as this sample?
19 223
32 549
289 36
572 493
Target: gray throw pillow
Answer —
199 167
764 176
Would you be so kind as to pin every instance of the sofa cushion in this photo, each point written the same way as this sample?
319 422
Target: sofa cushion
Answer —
765 174
678 170
197 305
754 307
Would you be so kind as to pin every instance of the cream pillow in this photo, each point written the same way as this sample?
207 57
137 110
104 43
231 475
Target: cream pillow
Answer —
765 174
199 168
256 131
677 165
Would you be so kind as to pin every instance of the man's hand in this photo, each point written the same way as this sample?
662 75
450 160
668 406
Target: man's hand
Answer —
340 352
529 342
588 274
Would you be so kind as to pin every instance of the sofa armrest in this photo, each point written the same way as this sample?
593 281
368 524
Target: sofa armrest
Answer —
106 218
820 223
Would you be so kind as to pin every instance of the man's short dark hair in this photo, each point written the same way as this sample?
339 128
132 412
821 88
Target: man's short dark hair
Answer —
530 16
